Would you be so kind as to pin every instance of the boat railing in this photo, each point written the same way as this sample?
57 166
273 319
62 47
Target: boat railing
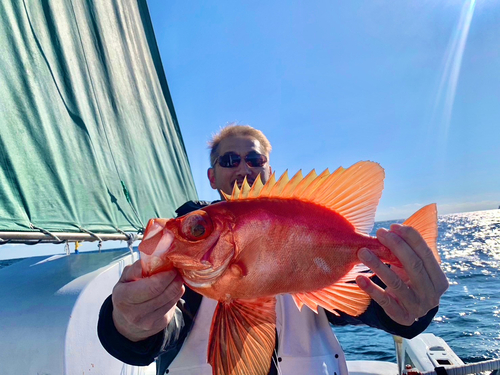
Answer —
427 354
470 368
61 237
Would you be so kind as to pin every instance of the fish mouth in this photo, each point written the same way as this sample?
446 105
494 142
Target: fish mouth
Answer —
196 272
154 260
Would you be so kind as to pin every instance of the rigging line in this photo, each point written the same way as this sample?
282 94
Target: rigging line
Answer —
131 235
89 232
99 244
122 232
32 226
131 238
37 242
131 241
101 120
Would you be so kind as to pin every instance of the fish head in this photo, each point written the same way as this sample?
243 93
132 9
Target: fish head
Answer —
199 245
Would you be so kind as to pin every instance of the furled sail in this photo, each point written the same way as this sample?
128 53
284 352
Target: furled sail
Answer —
89 139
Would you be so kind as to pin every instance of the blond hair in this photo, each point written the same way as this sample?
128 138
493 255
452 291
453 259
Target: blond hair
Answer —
233 130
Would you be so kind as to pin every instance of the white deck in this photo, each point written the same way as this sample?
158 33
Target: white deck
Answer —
372 368
49 311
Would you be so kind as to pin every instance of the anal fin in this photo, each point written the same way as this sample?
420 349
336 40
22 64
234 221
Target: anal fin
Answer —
242 337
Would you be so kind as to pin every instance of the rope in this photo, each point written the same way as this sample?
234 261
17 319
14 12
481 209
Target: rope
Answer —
131 238
99 245
89 232
470 368
122 232
36 242
32 226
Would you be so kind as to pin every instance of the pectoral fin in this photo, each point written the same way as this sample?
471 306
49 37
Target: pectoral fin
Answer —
344 295
242 337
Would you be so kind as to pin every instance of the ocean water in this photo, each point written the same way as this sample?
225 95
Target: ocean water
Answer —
469 314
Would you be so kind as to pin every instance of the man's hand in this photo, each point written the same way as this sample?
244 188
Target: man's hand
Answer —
412 290
143 307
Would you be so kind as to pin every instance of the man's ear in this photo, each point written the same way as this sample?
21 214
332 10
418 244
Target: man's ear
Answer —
211 177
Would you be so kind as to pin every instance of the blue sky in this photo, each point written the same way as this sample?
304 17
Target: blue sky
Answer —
412 85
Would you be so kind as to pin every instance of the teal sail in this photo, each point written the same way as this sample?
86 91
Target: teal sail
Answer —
89 139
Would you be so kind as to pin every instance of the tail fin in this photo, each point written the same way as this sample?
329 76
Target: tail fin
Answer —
425 222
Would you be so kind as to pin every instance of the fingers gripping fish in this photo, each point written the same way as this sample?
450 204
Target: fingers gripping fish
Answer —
298 236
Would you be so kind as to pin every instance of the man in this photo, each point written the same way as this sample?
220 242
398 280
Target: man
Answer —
146 319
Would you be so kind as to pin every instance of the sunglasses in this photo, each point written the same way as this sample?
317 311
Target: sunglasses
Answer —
232 160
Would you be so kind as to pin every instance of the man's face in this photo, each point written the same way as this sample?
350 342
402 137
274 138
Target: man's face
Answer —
224 178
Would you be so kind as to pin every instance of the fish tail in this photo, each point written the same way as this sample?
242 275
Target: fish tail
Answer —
424 221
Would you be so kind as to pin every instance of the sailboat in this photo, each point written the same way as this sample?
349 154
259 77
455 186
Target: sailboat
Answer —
91 149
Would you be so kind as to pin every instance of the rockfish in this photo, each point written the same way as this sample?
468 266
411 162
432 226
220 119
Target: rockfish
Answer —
299 236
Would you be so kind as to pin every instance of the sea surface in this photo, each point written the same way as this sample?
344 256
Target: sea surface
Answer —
469 314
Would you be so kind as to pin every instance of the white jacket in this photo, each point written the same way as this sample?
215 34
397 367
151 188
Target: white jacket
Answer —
306 343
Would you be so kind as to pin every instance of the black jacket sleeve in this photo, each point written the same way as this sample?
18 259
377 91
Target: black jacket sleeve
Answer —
140 353
166 343
375 316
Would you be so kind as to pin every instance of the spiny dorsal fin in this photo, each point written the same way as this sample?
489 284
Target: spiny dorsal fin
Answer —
268 186
353 192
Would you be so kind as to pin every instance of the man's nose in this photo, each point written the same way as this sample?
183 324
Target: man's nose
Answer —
244 169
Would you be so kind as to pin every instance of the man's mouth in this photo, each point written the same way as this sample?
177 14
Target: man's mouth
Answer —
240 182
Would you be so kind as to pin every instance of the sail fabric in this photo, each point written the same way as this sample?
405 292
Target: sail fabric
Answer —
89 139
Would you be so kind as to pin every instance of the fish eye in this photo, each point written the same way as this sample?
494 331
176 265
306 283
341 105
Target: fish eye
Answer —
196 226
198 230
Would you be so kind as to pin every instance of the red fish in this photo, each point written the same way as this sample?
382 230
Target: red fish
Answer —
297 236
